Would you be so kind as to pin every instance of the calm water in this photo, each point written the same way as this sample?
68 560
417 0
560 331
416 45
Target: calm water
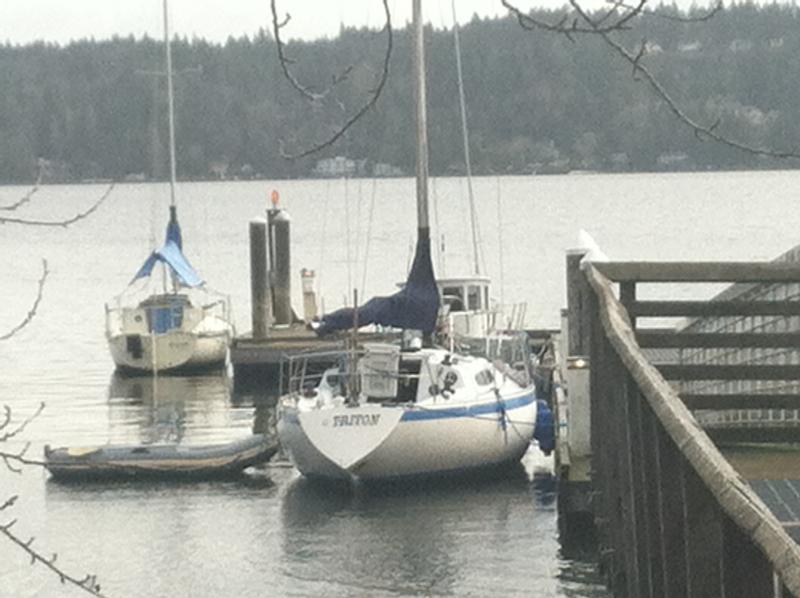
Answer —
271 533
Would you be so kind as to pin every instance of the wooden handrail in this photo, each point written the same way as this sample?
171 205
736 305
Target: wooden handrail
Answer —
673 309
664 339
723 401
732 493
699 271
728 372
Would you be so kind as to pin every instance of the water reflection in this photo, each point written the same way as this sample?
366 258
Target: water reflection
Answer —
422 537
174 409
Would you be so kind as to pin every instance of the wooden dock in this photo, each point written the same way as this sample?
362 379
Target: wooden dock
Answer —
685 501
257 361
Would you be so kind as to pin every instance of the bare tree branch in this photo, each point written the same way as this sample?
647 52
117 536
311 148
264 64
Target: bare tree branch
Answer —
285 62
373 97
27 197
584 23
88 584
9 431
580 26
32 310
62 223
677 18
45 271
12 460
701 131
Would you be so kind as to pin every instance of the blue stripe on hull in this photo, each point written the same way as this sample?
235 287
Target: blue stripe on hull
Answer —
483 409
418 414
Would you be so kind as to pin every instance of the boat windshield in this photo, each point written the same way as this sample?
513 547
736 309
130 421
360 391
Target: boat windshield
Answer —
164 312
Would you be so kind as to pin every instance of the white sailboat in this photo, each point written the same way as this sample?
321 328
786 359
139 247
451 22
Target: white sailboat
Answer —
387 411
180 325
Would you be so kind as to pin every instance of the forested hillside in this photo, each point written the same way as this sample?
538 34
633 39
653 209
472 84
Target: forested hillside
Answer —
537 101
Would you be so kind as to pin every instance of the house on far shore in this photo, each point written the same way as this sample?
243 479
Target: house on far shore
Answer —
381 169
674 161
340 166
218 169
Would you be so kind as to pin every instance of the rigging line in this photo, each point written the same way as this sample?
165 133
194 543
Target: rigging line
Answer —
357 241
347 236
369 236
465 135
321 260
503 413
437 246
500 242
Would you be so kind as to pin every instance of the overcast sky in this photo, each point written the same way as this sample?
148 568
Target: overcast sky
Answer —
23 21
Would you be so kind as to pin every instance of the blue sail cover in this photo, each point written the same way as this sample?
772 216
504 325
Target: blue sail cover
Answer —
416 306
174 229
171 255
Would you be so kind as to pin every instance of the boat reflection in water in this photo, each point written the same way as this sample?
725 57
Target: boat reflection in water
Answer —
175 409
463 536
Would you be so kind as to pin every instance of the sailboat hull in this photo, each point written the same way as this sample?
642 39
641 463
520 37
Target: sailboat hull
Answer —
200 341
172 352
415 442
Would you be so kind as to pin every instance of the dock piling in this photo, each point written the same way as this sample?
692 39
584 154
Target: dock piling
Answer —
280 266
259 282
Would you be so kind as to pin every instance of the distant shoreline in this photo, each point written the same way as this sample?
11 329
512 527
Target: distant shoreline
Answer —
573 173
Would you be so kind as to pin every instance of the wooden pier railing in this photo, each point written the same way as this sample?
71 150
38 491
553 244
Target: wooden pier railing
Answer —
673 516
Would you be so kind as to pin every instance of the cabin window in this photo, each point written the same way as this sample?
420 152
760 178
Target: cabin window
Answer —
484 377
164 317
133 344
494 349
473 297
454 296
408 380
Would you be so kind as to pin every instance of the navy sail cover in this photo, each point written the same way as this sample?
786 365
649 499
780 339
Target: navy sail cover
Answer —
415 307
170 254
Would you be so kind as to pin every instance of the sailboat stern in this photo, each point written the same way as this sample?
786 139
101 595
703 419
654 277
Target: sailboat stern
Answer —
191 340
332 442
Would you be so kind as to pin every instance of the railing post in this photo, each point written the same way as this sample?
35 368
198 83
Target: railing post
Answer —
671 514
578 304
619 403
639 491
648 435
703 529
607 506
576 375
746 571
627 296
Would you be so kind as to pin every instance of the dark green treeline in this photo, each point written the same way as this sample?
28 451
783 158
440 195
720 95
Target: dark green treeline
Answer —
94 109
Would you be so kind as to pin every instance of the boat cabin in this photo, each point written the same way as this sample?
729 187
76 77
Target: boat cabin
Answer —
386 374
466 307
468 293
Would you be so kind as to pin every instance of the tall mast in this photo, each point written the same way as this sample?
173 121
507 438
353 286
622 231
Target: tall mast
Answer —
423 223
465 134
170 101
